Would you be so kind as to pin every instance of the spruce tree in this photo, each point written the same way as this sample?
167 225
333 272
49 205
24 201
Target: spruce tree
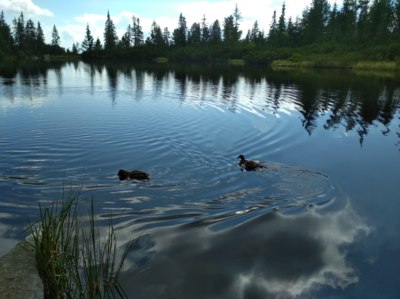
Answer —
347 19
273 30
282 20
156 35
194 35
237 17
381 21
19 31
229 30
396 20
40 39
180 33
75 47
166 36
205 32
215 33
127 39
137 33
315 20
30 37
55 38
255 35
97 45
6 40
110 35
88 42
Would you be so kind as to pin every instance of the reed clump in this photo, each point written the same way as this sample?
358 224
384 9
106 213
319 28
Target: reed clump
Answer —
72 259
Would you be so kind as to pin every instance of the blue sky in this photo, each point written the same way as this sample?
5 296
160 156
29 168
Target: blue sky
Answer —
71 17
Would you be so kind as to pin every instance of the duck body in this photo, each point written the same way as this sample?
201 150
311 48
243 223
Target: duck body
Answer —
249 165
134 174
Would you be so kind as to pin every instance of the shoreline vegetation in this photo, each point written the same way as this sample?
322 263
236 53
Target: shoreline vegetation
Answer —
359 34
72 258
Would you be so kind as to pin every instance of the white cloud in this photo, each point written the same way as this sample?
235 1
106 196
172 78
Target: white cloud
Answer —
283 256
25 6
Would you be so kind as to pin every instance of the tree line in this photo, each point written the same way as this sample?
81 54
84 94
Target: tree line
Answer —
25 38
367 29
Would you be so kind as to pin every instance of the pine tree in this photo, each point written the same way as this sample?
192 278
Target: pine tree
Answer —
347 19
255 35
291 31
97 45
166 36
232 33
215 33
180 33
137 33
333 24
156 36
237 17
75 47
362 21
194 35
396 20
55 38
40 39
205 32
30 45
282 20
110 35
19 31
315 20
381 20
127 39
273 29
88 42
6 40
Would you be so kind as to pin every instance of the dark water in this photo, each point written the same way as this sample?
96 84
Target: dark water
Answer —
321 221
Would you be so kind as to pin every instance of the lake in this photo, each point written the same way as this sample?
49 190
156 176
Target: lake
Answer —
319 221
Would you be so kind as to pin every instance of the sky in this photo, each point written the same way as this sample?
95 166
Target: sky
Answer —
71 17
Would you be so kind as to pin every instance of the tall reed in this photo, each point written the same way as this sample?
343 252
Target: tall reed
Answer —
72 259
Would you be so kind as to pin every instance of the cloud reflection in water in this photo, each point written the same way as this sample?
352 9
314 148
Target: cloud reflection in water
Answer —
270 256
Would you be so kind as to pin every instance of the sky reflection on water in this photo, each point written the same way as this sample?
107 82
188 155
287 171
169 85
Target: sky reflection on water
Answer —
269 256
320 221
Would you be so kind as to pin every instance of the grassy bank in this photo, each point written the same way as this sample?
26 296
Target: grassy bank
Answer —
360 65
72 259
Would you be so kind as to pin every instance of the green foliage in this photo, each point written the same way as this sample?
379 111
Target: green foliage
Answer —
110 35
55 38
324 35
71 259
137 33
180 33
88 42
232 33
6 40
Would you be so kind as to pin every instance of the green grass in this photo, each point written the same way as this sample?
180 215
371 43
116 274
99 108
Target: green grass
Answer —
161 60
72 259
376 65
236 62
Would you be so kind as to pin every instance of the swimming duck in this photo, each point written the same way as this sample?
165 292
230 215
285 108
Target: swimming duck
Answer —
249 164
134 174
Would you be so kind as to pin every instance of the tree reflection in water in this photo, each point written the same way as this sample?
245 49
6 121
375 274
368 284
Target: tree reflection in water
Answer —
342 99
348 100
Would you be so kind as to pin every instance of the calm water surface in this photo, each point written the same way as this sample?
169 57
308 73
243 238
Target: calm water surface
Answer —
321 221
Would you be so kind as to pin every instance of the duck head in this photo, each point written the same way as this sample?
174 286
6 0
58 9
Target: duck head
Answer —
241 157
